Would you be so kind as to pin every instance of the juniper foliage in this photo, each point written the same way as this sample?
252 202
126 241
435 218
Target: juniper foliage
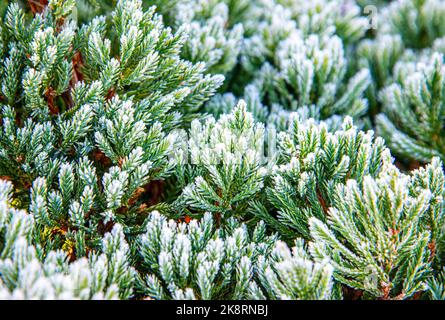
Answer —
190 261
222 149
378 235
414 109
29 272
89 131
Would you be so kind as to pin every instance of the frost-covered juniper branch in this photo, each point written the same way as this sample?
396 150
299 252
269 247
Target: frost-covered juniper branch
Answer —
291 275
190 261
212 38
312 161
385 228
197 261
224 164
307 74
414 109
86 116
296 56
27 271
418 22
381 234
404 24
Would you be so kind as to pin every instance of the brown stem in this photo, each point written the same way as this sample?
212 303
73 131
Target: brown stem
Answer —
37 6
322 202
